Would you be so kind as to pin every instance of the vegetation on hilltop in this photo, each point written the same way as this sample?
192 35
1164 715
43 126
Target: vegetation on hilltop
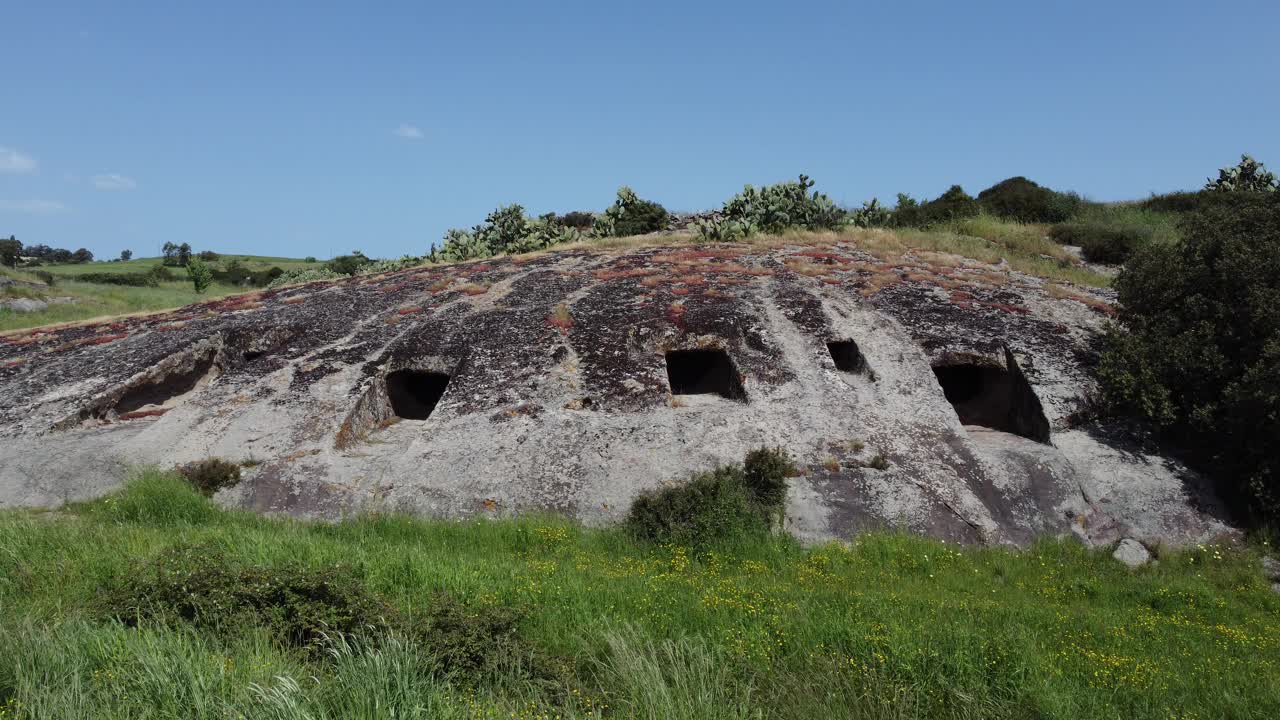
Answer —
1197 352
385 616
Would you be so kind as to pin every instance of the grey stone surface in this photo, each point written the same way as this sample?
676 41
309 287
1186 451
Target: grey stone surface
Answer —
24 305
559 397
1271 568
1131 553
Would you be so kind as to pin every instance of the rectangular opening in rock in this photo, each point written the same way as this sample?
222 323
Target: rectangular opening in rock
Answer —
993 397
413 394
846 355
703 372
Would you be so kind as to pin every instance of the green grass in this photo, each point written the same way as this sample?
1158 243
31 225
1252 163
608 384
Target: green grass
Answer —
142 265
97 301
889 626
1164 225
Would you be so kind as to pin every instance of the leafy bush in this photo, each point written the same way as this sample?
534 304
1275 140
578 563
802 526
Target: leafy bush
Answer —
1112 244
778 207
210 475
953 204
151 278
46 277
1178 202
1249 176
237 274
578 219
1201 356
309 259
200 274
208 256
871 214
764 472
348 264
381 266
1018 198
730 501
506 231
471 641
200 585
630 215
302 275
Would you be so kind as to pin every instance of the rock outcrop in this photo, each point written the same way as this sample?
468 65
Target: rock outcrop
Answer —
571 381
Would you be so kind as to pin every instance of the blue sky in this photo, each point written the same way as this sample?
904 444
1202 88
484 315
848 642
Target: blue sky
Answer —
290 128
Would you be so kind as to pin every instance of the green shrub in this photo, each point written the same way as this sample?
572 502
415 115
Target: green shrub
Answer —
630 215
871 214
237 274
725 503
302 275
1178 202
309 259
348 264
1018 198
953 204
506 231
200 274
471 642
1112 244
578 219
208 256
1201 356
401 263
147 279
1249 176
210 475
200 585
778 207
46 277
765 471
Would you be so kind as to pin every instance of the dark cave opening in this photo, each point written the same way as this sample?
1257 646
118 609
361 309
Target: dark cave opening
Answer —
414 393
994 397
848 358
704 372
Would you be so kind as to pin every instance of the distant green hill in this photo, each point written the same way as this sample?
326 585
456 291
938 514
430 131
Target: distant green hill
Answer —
95 300
140 265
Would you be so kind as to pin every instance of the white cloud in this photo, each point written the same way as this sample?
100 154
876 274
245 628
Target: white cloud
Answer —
32 207
112 181
409 132
12 161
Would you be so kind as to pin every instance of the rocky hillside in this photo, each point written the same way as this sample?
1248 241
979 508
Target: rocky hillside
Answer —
930 393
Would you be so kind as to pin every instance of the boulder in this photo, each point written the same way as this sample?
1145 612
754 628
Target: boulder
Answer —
1132 553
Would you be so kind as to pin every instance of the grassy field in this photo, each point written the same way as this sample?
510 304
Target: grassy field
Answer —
94 300
888 626
142 265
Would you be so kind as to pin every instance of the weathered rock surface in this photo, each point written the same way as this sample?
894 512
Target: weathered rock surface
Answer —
558 374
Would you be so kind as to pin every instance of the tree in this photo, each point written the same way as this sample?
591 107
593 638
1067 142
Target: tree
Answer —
60 255
10 251
1200 360
126 255
82 256
200 274
170 251
184 254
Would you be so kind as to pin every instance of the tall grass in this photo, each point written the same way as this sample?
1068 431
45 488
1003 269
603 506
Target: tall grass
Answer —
887 626
93 301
